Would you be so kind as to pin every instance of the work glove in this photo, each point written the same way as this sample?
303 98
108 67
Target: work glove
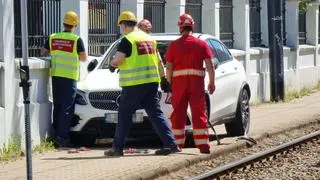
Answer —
111 68
165 85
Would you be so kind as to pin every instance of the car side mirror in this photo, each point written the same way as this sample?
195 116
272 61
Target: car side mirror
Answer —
92 65
215 63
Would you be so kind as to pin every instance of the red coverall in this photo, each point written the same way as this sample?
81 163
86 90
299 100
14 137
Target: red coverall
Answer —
187 55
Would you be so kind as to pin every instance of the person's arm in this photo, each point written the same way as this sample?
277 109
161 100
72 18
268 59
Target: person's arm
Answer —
169 62
81 51
118 59
45 51
207 56
211 72
123 51
160 65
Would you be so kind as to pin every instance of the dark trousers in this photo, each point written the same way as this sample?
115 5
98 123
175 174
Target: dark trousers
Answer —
64 93
146 96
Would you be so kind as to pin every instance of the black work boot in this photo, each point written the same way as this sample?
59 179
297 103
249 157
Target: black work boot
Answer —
113 152
61 142
167 151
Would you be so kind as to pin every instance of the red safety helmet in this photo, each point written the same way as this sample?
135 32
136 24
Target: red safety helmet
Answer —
145 25
186 20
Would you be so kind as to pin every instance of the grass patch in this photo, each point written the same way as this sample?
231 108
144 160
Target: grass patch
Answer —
291 95
12 151
45 145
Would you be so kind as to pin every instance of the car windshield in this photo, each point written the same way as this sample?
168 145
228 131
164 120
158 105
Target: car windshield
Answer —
162 48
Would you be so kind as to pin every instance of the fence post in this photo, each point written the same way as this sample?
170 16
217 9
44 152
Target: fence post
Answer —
313 27
81 8
292 20
173 9
264 22
210 8
135 6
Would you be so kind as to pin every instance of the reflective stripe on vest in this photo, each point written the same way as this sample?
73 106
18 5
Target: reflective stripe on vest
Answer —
142 66
64 55
188 72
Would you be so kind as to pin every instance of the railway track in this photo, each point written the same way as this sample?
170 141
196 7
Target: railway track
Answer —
250 161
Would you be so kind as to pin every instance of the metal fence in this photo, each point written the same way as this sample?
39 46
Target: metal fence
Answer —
302 27
319 26
284 30
43 19
226 23
154 11
194 8
255 23
103 28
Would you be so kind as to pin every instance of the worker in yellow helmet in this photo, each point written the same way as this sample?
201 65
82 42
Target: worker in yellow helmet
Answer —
137 60
65 49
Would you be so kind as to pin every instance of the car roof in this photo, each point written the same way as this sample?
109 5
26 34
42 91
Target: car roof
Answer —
174 36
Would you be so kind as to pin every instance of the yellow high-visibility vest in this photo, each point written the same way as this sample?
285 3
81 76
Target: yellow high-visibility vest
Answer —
142 66
64 55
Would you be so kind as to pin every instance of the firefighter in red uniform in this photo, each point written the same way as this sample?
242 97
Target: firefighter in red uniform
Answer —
185 72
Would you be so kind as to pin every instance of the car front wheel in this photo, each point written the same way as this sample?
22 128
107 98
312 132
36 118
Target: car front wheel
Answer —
240 124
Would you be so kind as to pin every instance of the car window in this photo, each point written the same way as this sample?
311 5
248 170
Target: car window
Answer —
220 51
109 56
162 47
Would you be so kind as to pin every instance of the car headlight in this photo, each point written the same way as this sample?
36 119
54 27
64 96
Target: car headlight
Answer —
81 98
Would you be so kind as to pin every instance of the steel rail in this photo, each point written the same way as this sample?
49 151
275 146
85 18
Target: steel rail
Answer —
249 160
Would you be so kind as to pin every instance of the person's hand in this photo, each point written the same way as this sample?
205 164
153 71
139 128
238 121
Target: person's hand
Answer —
165 85
211 87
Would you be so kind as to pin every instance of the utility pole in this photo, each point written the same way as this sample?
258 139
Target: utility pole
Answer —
276 49
25 84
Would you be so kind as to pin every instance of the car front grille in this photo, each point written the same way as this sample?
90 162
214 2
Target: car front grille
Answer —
106 100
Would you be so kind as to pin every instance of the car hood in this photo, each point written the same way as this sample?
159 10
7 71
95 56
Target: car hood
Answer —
99 80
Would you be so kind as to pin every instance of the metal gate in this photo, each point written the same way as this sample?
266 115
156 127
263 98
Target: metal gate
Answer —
226 23
103 28
255 23
154 11
194 8
43 19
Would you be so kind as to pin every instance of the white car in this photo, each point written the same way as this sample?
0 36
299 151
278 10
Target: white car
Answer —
98 96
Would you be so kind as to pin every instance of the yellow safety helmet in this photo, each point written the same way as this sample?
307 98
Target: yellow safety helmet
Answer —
127 16
71 18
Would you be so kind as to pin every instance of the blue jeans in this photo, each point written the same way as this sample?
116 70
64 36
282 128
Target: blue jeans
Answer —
64 93
145 95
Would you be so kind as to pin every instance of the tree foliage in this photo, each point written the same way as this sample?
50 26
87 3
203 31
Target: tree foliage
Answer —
303 4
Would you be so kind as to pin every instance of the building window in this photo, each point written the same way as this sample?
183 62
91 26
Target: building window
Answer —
255 23
43 19
226 23
154 11
194 8
103 25
302 27
319 26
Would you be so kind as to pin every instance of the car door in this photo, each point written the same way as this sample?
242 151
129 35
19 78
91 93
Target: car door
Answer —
223 98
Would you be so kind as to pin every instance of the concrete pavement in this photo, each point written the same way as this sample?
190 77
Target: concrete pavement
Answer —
265 119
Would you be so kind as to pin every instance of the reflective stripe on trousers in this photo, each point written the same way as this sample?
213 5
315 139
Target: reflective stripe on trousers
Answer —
201 136
186 72
180 136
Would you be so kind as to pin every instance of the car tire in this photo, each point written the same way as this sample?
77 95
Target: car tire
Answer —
241 123
81 139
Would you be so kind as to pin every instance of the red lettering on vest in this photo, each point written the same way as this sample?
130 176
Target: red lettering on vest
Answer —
145 47
62 45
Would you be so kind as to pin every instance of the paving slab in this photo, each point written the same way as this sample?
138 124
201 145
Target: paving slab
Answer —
266 119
